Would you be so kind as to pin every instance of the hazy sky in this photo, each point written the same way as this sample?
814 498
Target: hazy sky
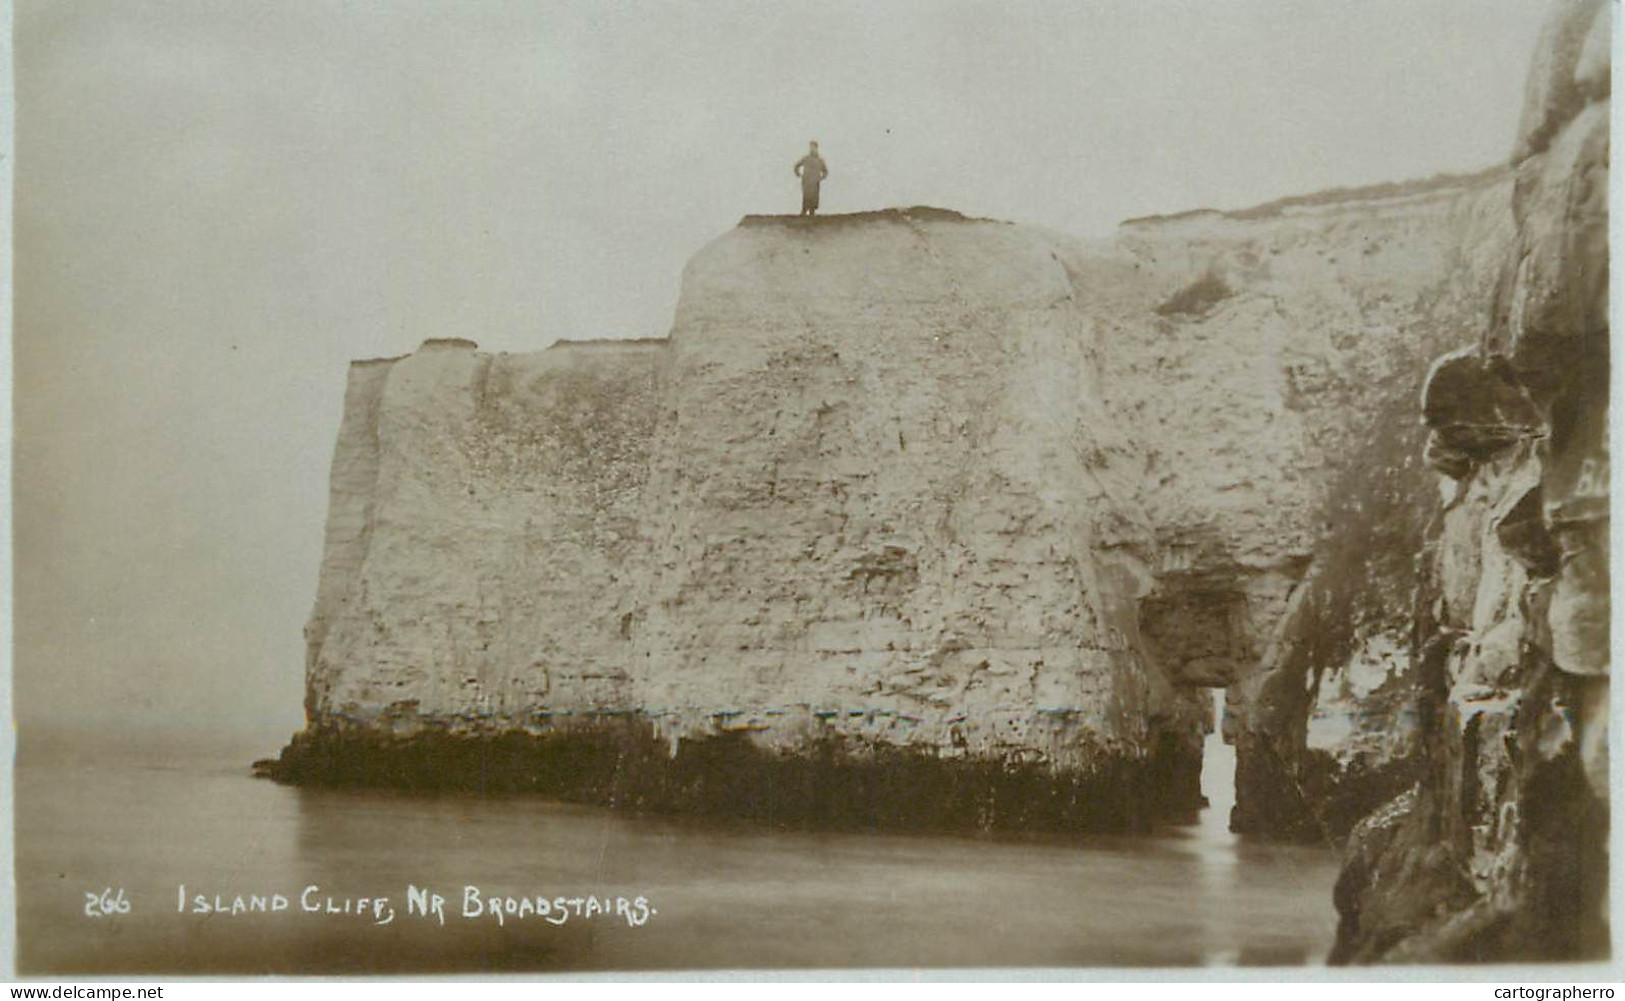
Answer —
219 204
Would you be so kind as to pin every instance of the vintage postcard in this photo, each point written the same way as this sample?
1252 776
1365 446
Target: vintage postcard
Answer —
531 488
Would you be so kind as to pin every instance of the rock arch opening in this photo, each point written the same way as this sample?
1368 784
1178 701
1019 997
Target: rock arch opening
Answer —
1218 769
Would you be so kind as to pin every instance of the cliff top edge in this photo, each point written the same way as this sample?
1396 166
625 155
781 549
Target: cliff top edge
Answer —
915 213
610 342
1438 184
463 344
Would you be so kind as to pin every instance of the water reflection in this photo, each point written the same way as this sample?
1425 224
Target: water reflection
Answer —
1215 846
722 897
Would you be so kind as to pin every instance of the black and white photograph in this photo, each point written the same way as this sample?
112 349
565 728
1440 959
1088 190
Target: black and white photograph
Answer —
662 488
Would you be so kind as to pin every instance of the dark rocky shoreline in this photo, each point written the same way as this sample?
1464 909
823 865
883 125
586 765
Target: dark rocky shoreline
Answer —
833 784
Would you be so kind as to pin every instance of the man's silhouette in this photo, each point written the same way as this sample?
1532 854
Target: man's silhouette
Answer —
812 171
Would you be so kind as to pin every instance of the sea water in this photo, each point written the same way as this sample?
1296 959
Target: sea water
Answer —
161 856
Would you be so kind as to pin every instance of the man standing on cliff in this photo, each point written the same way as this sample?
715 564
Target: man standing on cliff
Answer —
812 171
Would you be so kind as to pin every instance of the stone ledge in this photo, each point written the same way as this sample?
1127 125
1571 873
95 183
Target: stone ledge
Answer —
916 213
835 784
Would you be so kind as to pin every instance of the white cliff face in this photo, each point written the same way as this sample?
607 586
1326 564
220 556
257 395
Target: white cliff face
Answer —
885 492
868 490
908 482
1245 397
903 479
1270 371
483 510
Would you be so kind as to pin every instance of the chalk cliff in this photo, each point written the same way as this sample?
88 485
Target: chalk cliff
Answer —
1499 850
864 509
484 513
1272 389
952 493
923 520
884 481
909 482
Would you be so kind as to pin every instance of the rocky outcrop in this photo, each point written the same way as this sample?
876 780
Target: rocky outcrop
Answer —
1272 381
1499 850
863 520
911 501
885 481
483 516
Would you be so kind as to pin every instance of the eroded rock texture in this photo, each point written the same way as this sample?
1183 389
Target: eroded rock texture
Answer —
926 520
1273 389
485 513
885 481
911 494
1498 853
861 529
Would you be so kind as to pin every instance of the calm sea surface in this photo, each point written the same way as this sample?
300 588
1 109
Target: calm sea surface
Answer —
125 827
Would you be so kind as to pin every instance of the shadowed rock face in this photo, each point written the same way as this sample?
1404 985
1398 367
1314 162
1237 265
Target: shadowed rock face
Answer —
1475 407
1271 380
1499 851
